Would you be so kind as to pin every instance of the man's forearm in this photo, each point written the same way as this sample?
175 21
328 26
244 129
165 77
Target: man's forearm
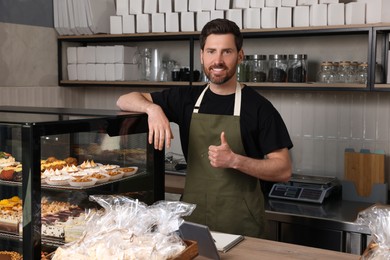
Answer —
135 102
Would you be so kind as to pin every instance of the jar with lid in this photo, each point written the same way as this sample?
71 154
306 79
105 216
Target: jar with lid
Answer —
326 73
345 72
277 71
242 70
297 68
362 73
257 67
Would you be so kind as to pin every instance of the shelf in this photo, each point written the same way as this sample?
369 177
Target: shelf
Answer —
125 83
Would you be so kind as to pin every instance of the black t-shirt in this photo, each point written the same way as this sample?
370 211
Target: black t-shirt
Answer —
262 128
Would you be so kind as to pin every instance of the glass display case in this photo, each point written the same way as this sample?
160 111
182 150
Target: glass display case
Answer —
52 159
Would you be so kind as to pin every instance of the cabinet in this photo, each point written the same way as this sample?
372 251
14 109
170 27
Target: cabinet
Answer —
101 139
375 38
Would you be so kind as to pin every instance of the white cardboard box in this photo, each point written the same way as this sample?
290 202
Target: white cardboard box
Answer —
194 6
71 55
201 18
100 70
284 17
143 23
128 23
355 13
172 22
187 21
125 54
289 3
150 6
116 24
81 71
90 54
91 71
126 72
165 6
72 71
235 15
318 15
328 1
222 5
158 22
180 6
81 54
217 14
110 71
273 3
336 14
301 16
208 5
100 54
256 3
252 18
109 52
377 11
268 17
240 4
136 6
122 7
307 2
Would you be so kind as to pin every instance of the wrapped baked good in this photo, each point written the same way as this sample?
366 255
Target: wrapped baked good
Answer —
129 229
377 219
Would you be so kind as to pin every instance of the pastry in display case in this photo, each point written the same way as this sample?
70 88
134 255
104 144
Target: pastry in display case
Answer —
53 159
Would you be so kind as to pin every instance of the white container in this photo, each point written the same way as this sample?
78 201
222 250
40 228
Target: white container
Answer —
125 54
201 18
187 21
81 71
289 3
194 5
71 55
256 3
208 5
165 6
110 71
100 72
72 71
100 54
81 55
158 22
222 4
268 17
150 6
91 71
217 14
128 23
328 1
307 2
122 7
136 6
301 16
336 14
143 23
252 18
240 4
273 3
90 54
318 15
180 6
172 22
235 15
284 17
115 24
377 11
355 13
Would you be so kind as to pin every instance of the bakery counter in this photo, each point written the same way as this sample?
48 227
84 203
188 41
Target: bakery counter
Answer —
253 249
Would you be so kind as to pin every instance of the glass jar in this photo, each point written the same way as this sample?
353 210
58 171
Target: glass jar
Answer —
326 73
257 68
297 68
345 72
146 64
362 73
277 68
242 70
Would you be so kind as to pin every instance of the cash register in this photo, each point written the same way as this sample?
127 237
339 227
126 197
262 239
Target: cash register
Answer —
306 188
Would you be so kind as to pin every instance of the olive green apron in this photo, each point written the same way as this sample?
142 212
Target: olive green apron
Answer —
226 200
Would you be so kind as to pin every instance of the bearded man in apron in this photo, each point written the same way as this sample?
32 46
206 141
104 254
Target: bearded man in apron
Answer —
231 136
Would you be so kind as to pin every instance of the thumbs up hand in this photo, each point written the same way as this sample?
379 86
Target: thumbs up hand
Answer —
221 156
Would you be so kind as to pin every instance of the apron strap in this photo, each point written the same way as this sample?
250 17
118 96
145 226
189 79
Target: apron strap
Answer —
237 100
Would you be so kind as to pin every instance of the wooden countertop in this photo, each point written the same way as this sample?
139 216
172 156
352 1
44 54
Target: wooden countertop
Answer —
254 249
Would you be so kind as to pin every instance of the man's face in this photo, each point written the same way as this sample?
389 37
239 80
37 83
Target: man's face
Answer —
220 58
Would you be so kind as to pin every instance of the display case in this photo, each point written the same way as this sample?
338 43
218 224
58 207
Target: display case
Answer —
52 159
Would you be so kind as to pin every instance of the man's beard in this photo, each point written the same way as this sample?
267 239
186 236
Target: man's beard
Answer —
218 80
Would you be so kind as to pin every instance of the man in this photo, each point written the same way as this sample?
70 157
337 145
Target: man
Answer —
231 136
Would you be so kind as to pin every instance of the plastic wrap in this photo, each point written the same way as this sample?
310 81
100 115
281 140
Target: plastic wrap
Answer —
129 229
377 219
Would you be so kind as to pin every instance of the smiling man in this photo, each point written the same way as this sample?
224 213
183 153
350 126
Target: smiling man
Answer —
231 136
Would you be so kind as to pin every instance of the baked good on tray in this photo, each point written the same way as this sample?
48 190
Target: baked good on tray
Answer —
10 255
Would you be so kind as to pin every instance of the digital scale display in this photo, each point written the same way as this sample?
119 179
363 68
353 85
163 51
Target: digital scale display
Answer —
304 188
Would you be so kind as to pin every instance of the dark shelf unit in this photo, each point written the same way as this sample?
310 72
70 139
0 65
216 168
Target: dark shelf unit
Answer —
371 30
